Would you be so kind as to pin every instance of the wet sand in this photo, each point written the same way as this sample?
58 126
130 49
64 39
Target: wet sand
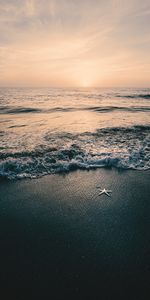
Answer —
60 240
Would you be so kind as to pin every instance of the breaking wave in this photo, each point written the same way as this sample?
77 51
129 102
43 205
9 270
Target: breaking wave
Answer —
121 148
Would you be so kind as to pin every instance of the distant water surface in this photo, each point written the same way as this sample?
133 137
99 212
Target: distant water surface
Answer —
45 131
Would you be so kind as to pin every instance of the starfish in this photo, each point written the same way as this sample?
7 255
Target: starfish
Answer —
106 192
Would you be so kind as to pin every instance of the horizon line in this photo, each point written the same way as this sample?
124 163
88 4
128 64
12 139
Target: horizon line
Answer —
78 87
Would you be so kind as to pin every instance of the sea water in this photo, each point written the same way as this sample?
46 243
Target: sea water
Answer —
53 130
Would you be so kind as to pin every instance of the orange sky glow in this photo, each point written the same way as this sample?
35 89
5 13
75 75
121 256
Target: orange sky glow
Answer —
75 43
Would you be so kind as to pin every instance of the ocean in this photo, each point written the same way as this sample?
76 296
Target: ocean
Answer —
57 130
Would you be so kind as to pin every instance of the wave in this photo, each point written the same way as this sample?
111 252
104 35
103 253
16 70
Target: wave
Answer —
121 148
98 109
120 108
134 96
17 126
18 110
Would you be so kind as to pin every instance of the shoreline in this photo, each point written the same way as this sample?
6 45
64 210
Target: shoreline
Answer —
60 238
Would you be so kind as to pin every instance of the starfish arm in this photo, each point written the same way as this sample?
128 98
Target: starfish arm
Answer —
101 193
109 191
107 194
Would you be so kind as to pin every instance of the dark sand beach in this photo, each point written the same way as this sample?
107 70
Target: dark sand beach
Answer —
60 240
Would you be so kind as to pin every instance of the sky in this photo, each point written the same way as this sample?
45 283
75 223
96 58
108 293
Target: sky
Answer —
71 43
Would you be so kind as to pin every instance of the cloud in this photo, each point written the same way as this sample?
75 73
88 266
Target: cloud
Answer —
66 42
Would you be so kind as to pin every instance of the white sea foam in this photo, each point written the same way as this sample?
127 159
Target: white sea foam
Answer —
121 148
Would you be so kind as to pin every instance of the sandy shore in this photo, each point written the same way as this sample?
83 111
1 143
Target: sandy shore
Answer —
60 239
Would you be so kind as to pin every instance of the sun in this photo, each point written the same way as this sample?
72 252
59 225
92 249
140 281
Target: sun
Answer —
84 77
85 83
